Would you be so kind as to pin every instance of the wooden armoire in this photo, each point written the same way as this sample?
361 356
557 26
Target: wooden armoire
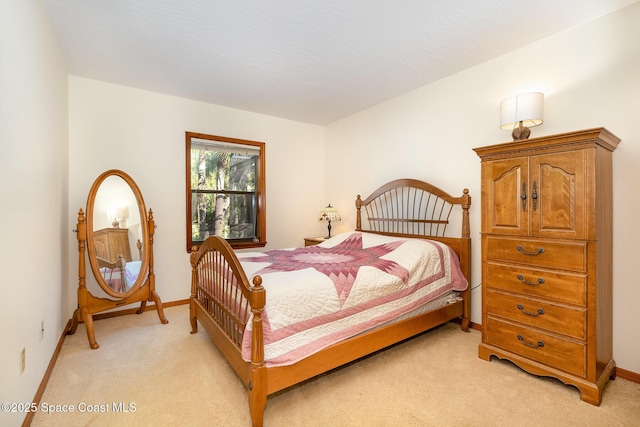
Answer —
112 242
547 257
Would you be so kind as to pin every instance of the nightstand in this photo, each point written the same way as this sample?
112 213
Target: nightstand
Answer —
310 241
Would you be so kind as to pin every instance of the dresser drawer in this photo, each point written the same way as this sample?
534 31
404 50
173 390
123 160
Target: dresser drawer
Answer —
540 253
556 352
555 318
571 288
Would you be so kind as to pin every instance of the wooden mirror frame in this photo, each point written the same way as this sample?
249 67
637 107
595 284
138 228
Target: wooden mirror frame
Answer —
92 248
142 290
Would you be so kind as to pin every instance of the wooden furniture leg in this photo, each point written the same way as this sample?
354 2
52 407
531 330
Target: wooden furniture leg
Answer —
258 396
156 299
88 324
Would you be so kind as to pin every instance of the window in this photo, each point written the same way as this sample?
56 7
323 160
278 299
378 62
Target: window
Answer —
225 190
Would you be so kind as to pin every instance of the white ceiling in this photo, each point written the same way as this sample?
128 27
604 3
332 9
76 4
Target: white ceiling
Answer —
313 61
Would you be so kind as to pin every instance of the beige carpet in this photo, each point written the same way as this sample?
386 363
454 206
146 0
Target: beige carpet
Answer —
174 378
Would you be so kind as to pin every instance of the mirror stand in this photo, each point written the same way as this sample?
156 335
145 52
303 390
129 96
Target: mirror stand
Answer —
88 304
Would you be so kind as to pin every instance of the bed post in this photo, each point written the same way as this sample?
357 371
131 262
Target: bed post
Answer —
192 303
358 218
466 204
258 381
465 258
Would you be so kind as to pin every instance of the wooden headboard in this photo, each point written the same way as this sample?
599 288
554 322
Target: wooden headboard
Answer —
413 208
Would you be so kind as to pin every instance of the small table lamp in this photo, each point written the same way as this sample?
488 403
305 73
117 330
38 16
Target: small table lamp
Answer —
329 214
117 215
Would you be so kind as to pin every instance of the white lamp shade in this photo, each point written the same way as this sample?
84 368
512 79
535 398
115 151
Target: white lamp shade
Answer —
526 108
114 213
117 213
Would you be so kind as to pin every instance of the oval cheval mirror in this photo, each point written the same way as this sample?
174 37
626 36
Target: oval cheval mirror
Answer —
117 236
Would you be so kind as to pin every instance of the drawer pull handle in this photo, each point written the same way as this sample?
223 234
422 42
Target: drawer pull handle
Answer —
526 282
539 344
538 252
530 313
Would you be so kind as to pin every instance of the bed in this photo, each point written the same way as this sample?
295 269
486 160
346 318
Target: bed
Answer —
121 274
275 334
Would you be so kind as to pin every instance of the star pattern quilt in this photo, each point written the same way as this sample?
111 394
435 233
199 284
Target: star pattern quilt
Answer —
353 282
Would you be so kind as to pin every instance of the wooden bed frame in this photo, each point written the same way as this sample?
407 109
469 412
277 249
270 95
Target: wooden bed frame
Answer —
117 265
404 208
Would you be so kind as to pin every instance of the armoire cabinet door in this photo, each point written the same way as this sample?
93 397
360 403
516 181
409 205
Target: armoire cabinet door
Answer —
557 195
504 182
537 196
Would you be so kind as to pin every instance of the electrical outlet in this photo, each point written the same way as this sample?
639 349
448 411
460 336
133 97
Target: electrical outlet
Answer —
41 329
23 360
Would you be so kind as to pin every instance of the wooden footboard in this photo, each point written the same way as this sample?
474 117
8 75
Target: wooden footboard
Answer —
222 299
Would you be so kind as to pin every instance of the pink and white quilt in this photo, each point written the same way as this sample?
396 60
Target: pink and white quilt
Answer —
353 282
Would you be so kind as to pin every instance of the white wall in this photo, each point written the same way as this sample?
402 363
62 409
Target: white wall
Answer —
590 76
143 134
33 194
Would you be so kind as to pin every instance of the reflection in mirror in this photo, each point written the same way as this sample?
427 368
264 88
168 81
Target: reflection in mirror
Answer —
118 234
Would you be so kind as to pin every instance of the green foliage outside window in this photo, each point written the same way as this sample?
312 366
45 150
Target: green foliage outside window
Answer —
223 187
